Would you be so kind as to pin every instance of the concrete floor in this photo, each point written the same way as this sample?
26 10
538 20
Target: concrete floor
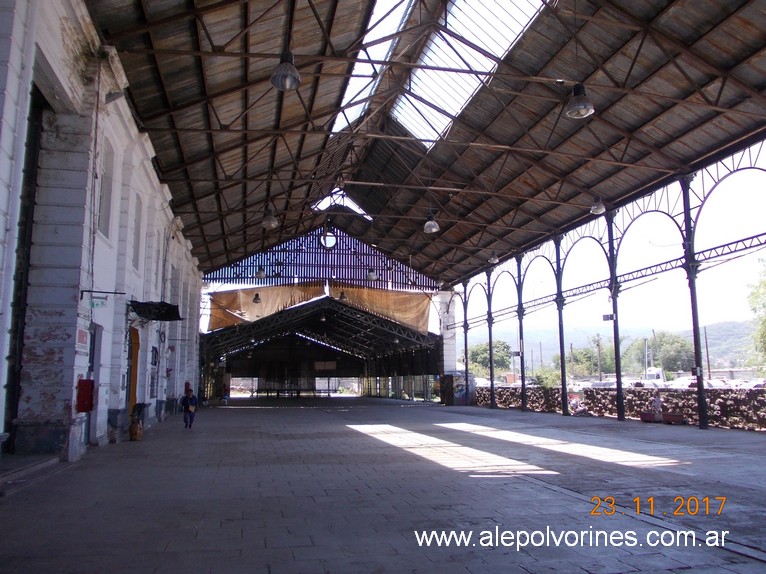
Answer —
343 485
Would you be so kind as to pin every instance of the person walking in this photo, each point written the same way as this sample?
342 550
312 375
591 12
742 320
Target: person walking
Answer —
189 405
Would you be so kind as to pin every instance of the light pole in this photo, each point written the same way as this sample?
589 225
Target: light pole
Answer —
598 352
492 397
646 358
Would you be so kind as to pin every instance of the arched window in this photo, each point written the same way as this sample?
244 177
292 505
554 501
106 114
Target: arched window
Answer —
105 193
137 233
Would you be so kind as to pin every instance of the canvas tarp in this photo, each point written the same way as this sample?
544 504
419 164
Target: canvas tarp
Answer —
406 308
228 308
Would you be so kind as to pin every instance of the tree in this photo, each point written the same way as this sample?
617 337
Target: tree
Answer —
479 355
637 356
674 352
548 377
606 351
757 301
584 361
667 350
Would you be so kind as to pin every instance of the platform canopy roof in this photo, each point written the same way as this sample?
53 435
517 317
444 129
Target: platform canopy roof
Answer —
457 109
326 322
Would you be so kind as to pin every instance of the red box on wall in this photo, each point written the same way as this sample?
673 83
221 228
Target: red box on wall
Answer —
85 395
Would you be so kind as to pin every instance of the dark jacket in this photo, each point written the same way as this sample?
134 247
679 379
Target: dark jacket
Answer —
187 402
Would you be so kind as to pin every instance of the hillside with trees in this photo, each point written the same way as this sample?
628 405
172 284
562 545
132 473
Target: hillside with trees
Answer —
725 345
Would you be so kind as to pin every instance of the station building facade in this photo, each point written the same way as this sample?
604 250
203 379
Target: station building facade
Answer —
99 291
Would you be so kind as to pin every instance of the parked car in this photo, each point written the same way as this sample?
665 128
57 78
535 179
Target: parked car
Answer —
709 384
603 385
757 384
578 385
528 384
648 384
738 383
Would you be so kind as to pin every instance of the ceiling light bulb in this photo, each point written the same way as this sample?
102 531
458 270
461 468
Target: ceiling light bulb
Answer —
598 207
270 222
257 299
579 106
431 226
285 76
493 259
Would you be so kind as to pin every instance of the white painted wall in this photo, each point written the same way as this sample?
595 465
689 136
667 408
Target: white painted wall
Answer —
81 278
17 34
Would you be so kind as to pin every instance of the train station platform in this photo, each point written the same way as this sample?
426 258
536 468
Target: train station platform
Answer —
357 485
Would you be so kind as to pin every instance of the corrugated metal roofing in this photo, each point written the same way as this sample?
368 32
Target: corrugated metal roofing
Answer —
676 84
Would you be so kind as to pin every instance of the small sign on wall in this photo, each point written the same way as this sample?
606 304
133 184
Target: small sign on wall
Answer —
82 337
97 302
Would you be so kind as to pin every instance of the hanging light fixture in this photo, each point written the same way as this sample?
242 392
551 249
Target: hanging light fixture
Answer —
257 299
270 221
430 225
598 207
322 318
285 76
579 106
261 273
342 298
371 275
493 259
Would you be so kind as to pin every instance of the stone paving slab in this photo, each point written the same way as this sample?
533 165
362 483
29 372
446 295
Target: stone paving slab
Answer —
341 485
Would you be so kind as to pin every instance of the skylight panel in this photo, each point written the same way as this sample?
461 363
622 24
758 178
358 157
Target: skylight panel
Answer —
457 63
339 197
388 17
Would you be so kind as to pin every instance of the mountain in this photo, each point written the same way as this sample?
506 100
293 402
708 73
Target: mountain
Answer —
728 344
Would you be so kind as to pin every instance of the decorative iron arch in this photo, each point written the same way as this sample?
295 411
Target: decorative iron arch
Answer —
682 202
666 200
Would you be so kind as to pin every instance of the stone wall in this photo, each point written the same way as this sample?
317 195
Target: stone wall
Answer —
740 409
